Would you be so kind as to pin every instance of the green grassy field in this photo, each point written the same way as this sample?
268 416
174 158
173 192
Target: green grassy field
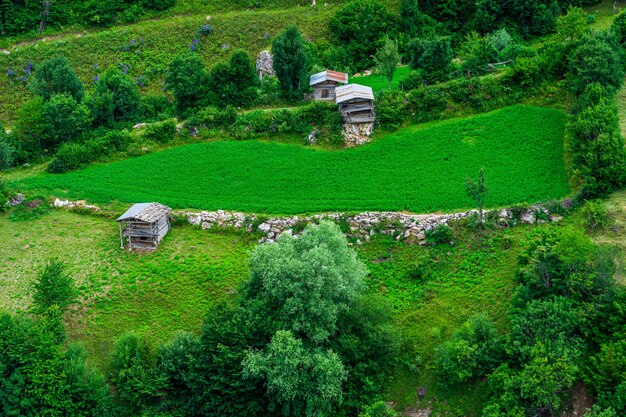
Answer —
420 168
379 82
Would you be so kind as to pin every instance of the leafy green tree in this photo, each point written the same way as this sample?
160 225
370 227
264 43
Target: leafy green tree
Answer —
477 52
474 350
488 14
186 78
119 90
54 287
101 109
234 83
30 127
299 381
7 153
477 191
56 76
535 17
290 61
607 369
595 60
303 284
361 26
409 17
573 25
63 119
133 372
431 56
387 59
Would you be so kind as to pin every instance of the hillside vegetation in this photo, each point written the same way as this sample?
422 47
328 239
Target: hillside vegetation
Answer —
418 169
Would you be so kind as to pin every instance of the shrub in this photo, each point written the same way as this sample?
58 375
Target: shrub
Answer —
7 153
426 103
234 82
155 108
440 235
432 56
161 131
213 116
595 59
595 215
125 95
391 108
70 156
474 350
186 78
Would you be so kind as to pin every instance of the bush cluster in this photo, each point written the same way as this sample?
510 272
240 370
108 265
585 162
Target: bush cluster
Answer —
74 155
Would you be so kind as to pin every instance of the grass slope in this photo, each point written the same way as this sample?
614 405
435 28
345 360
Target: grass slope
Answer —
157 294
421 169
146 49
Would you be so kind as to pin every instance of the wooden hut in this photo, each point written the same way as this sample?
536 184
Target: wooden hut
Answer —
356 103
325 82
144 225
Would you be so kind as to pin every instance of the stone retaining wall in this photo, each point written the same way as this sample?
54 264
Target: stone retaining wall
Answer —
362 226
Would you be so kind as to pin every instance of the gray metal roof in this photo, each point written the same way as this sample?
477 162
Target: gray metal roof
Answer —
352 91
320 77
145 212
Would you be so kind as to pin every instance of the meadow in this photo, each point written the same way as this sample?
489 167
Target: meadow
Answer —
420 169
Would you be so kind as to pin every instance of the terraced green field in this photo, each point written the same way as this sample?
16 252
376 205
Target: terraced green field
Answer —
420 169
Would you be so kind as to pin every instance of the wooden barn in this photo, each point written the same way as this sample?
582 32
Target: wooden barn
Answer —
144 225
325 82
356 103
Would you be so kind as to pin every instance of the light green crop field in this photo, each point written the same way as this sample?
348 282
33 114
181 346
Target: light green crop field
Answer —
420 169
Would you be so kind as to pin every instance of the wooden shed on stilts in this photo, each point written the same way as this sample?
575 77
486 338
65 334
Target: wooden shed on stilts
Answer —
144 225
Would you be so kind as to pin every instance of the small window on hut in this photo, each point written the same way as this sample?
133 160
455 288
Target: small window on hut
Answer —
325 93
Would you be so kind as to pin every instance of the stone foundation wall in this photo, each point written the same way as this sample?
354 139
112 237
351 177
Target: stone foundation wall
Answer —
355 134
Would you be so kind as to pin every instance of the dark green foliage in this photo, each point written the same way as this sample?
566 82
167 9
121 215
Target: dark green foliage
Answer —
54 288
432 56
158 4
290 61
488 15
62 120
215 117
368 344
477 52
154 108
535 17
29 127
39 377
7 154
607 369
233 83
55 76
378 409
426 103
596 143
360 26
595 60
101 109
474 350
161 131
124 95
74 155
186 79
133 372
440 235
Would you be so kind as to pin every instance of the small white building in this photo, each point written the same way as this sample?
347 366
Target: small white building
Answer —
324 84
144 225
356 103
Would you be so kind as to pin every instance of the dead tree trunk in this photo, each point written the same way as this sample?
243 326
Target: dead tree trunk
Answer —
45 11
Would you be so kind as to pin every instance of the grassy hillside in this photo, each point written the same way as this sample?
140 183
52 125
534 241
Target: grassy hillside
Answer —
157 294
420 169
145 49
